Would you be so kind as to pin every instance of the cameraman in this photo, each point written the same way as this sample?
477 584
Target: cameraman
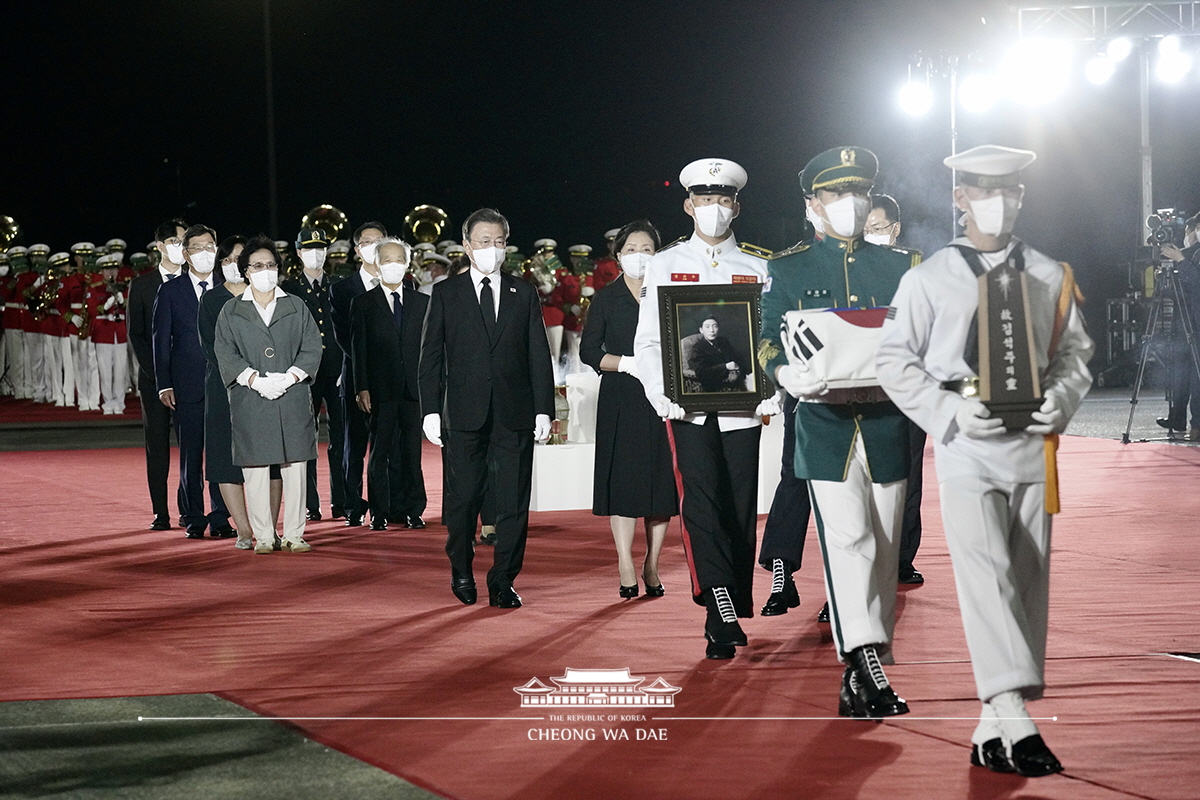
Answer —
1184 381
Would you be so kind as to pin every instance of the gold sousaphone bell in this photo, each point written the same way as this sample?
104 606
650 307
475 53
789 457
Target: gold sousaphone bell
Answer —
327 218
425 223
10 231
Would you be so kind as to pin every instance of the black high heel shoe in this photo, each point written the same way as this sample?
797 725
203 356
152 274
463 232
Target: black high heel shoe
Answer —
652 591
629 592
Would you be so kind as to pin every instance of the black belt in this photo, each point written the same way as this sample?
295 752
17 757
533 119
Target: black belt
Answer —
967 387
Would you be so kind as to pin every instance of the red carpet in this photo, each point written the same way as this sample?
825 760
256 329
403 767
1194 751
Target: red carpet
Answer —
94 605
27 411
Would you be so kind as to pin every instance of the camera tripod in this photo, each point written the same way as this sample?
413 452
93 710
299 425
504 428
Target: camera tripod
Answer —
1166 279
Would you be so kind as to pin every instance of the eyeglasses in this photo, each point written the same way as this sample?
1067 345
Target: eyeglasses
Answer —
258 266
486 243
200 248
877 229
173 241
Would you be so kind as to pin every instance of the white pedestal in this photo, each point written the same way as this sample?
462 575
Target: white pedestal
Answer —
562 477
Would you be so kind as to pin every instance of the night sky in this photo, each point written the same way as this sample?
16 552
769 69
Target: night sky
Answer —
570 117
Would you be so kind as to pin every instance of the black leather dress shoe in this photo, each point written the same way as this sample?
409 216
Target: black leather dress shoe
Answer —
1032 759
354 520
1171 424
378 524
720 632
194 534
464 590
414 522
226 532
779 602
909 575
505 597
823 614
337 512
160 524
866 692
488 538
991 754
182 524
313 515
719 651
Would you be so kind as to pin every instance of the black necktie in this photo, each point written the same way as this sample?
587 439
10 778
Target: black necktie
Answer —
486 306
397 310
172 277
203 287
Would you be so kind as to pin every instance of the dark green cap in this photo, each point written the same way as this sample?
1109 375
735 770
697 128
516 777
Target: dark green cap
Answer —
839 169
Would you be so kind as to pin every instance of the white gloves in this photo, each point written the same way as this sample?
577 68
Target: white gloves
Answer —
666 409
77 320
541 428
1051 415
431 426
267 386
628 365
577 309
975 420
120 298
109 303
798 381
769 407
587 291
285 380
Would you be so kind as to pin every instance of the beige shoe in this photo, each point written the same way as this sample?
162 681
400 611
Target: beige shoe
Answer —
263 549
298 546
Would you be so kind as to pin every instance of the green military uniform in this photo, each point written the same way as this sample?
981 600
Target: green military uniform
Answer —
836 273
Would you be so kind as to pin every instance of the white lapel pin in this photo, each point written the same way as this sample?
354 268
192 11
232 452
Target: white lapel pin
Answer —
512 288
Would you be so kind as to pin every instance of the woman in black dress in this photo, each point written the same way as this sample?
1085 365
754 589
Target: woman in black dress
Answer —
218 435
635 477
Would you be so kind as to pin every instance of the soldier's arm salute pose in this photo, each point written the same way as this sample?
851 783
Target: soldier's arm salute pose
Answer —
994 483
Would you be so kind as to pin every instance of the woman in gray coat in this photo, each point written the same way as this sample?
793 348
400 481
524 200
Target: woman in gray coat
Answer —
268 346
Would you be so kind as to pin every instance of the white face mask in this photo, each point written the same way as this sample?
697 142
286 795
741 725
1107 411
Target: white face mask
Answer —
3 270
878 238
313 257
175 253
203 262
1188 241
264 280
713 219
367 252
487 259
818 222
848 215
392 273
634 264
231 273
995 216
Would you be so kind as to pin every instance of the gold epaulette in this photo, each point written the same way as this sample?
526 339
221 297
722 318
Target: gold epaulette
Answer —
754 250
767 350
915 256
680 240
798 247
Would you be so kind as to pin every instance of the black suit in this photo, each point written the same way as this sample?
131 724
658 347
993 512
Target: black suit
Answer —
385 360
156 418
325 390
180 365
357 430
489 390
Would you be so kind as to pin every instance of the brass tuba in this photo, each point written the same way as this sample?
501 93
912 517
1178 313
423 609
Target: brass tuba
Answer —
327 218
10 231
425 223
43 299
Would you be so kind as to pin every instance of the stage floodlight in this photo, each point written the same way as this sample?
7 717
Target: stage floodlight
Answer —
1099 69
915 98
1173 66
1168 45
978 93
1119 49
1036 71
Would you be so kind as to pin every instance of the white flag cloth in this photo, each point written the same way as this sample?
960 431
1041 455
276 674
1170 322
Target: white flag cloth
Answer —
838 345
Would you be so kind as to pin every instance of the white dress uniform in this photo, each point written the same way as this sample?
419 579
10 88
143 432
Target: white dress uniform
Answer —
992 490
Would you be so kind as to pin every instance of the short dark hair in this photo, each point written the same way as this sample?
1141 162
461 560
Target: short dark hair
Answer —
891 209
1193 222
256 243
167 229
195 231
366 226
484 215
637 226
713 317
226 247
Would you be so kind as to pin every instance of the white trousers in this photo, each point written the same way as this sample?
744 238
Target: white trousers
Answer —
87 379
111 365
18 364
6 385
999 539
258 502
36 368
858 524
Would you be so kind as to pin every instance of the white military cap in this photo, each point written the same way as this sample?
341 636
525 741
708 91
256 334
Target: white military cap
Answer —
115 244
990 166
16 250
339 246
37 249
108 261
60 258
512 248
443 244
454 250
281 245
424 247
545 244
83 247
438 258
713 176
580 249
611 233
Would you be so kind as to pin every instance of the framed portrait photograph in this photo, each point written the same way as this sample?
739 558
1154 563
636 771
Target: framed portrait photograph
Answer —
709 341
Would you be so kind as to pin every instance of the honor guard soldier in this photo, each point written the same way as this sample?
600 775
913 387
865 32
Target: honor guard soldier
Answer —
716 454
544 270
997 480
338 258
607 269
8 319
576 290
851 444
514 261
139 262
106 310
74 311
28 268
53 330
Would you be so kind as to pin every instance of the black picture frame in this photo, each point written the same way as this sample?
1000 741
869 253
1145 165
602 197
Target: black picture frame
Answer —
692 374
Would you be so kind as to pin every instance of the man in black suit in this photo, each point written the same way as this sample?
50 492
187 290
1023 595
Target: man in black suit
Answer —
179 366
714 361
156 418
312 286
357 432
385 331
487 386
